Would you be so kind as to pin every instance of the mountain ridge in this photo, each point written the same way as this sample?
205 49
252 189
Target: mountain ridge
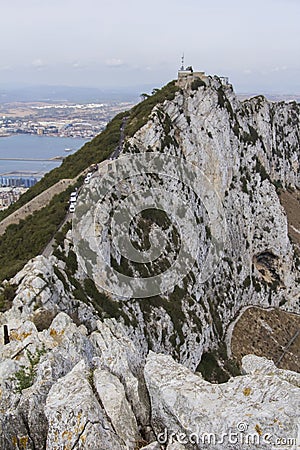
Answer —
250 152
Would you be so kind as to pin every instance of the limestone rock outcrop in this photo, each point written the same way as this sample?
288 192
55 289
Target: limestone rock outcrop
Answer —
262 406
63 388
248 150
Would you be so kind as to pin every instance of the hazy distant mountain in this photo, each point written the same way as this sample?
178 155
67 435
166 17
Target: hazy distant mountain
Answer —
272 97
92 94
67 93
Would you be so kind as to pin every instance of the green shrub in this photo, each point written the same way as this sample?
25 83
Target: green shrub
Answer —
221 98
6 296
210 368
216 367
25 376
253 133
9 292
29 237
197 83
208 231
140 113
257 286
261 170
172 306
247 282
278 186
224 102
61 235
244 185
59 238
79 294
101 302
71 262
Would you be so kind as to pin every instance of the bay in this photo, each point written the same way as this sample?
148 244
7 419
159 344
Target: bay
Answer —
33 146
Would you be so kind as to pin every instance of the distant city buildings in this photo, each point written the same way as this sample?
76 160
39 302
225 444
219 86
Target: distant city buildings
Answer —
9 195
63 120
48 119
40 128
16 181
12 187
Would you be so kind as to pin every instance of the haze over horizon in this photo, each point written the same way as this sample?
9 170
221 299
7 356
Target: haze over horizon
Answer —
123 44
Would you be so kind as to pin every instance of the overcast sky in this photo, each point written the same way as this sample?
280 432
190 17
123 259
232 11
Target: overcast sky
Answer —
117 43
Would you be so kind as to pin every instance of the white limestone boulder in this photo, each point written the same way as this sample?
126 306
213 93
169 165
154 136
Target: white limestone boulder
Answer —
75 417
113 399
187 409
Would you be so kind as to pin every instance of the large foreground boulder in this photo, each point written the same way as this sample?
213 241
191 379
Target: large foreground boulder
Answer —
258 409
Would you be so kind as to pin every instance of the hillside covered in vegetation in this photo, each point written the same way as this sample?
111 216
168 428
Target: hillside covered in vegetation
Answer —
28 238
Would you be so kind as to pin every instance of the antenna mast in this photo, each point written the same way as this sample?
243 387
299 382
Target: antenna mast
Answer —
182 62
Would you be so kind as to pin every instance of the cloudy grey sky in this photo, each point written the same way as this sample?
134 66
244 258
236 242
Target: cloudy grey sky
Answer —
117 43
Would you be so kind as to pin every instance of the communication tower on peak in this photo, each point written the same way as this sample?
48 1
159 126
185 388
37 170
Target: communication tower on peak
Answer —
182 62
187 75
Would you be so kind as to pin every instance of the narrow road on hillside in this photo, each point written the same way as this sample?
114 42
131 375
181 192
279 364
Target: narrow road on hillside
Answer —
41 200
37 203
117 151
48 250
114 155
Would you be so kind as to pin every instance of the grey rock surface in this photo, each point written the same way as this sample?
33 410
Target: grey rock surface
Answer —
187 409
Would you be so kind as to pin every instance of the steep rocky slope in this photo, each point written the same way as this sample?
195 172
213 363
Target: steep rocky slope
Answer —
77 372
86 386
247 150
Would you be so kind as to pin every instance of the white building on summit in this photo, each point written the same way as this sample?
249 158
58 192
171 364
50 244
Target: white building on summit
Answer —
188 75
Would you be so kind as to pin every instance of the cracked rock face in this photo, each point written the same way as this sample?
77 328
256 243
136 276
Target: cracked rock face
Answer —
94 392
78 394
245 149
112 396
75 417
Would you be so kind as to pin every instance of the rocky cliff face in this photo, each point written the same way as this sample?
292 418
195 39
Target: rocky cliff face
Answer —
77 372
247 150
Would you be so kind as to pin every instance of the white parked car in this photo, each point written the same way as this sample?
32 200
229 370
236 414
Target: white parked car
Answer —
88 177
73 196
72 208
